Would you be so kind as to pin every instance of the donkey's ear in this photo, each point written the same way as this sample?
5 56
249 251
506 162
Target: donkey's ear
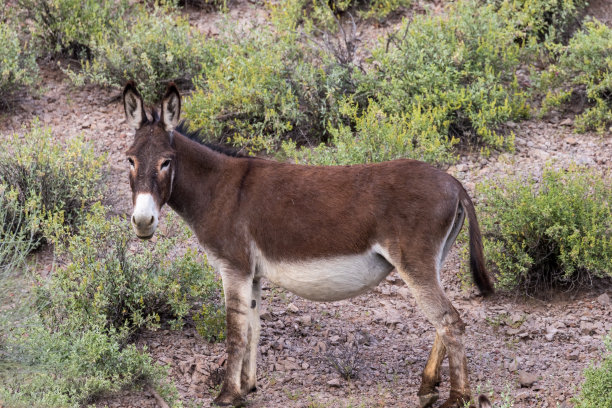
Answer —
171 107
133 105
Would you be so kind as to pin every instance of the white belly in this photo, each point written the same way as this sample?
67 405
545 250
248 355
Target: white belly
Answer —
327 279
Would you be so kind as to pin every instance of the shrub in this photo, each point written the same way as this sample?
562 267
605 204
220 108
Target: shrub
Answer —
69 26
377 137
127 287
462 65
540 20
17 63
210 320
70 366
557 232
44 179
597 387
326 14
583 70
262 88
151 47
439 81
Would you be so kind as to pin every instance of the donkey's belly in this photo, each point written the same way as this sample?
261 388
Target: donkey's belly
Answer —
328 279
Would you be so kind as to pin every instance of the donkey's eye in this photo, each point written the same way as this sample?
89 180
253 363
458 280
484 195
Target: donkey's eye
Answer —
131 161
165 164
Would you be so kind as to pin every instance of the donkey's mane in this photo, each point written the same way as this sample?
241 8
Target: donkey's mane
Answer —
196 136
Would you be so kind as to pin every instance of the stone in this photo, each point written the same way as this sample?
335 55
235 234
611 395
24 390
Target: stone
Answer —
604 299
572 141
566 122
305 320
292 308
335 382
526 379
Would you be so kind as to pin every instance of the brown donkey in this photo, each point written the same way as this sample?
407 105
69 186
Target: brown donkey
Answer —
324 233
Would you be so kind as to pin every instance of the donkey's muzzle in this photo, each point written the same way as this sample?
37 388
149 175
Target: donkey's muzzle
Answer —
145 216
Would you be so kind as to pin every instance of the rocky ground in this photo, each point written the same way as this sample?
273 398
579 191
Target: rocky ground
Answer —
530 350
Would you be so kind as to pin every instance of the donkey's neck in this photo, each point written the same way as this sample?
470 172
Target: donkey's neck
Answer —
196 177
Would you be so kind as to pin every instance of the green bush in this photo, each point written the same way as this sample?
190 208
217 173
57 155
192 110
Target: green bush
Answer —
262 88
557 232
151 47
583 69
461 65
378 136
324 13
439 81
75 347
70 366
44 179
126 287
69 26
540 20
597 387
210 320
18 66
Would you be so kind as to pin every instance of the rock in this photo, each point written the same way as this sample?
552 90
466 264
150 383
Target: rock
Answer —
305 320
334 383
265 316
604 299
566 122
292 308
513 366
526 379
392 317
572 141
550 333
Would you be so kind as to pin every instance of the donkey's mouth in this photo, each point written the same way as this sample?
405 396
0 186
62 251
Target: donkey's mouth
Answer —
146 237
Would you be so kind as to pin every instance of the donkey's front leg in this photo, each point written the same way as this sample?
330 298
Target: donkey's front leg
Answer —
249 364
238 290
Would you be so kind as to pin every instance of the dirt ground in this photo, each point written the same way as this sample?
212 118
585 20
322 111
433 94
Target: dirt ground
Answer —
508 339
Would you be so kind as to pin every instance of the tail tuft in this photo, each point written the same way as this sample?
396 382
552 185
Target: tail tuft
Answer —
477 263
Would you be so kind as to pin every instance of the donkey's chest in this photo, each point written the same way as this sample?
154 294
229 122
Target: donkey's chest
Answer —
326 279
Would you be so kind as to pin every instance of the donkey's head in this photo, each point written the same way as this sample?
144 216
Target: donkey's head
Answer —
151 157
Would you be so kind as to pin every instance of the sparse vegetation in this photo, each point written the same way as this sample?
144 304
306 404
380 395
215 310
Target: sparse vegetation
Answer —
597 387
69 27
540 20
150 46
345 359
583 76
42 181
438 82
18 67
551 233
127 287
262 88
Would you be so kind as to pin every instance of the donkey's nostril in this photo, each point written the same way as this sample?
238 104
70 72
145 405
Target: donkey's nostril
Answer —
133 220
152 220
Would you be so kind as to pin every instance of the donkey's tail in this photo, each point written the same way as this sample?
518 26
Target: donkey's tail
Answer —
477 263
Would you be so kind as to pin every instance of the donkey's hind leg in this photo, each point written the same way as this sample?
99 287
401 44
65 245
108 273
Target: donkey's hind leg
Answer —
428 392
449 330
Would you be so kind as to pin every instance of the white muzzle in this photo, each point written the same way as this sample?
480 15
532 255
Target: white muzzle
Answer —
145 216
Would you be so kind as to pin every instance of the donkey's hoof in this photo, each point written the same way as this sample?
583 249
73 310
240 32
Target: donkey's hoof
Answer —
427 400
247 390
228 400
457 402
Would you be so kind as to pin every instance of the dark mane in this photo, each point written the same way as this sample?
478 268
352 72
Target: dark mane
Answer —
196 136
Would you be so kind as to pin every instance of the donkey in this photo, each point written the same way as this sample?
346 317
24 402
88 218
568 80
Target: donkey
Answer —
323 233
